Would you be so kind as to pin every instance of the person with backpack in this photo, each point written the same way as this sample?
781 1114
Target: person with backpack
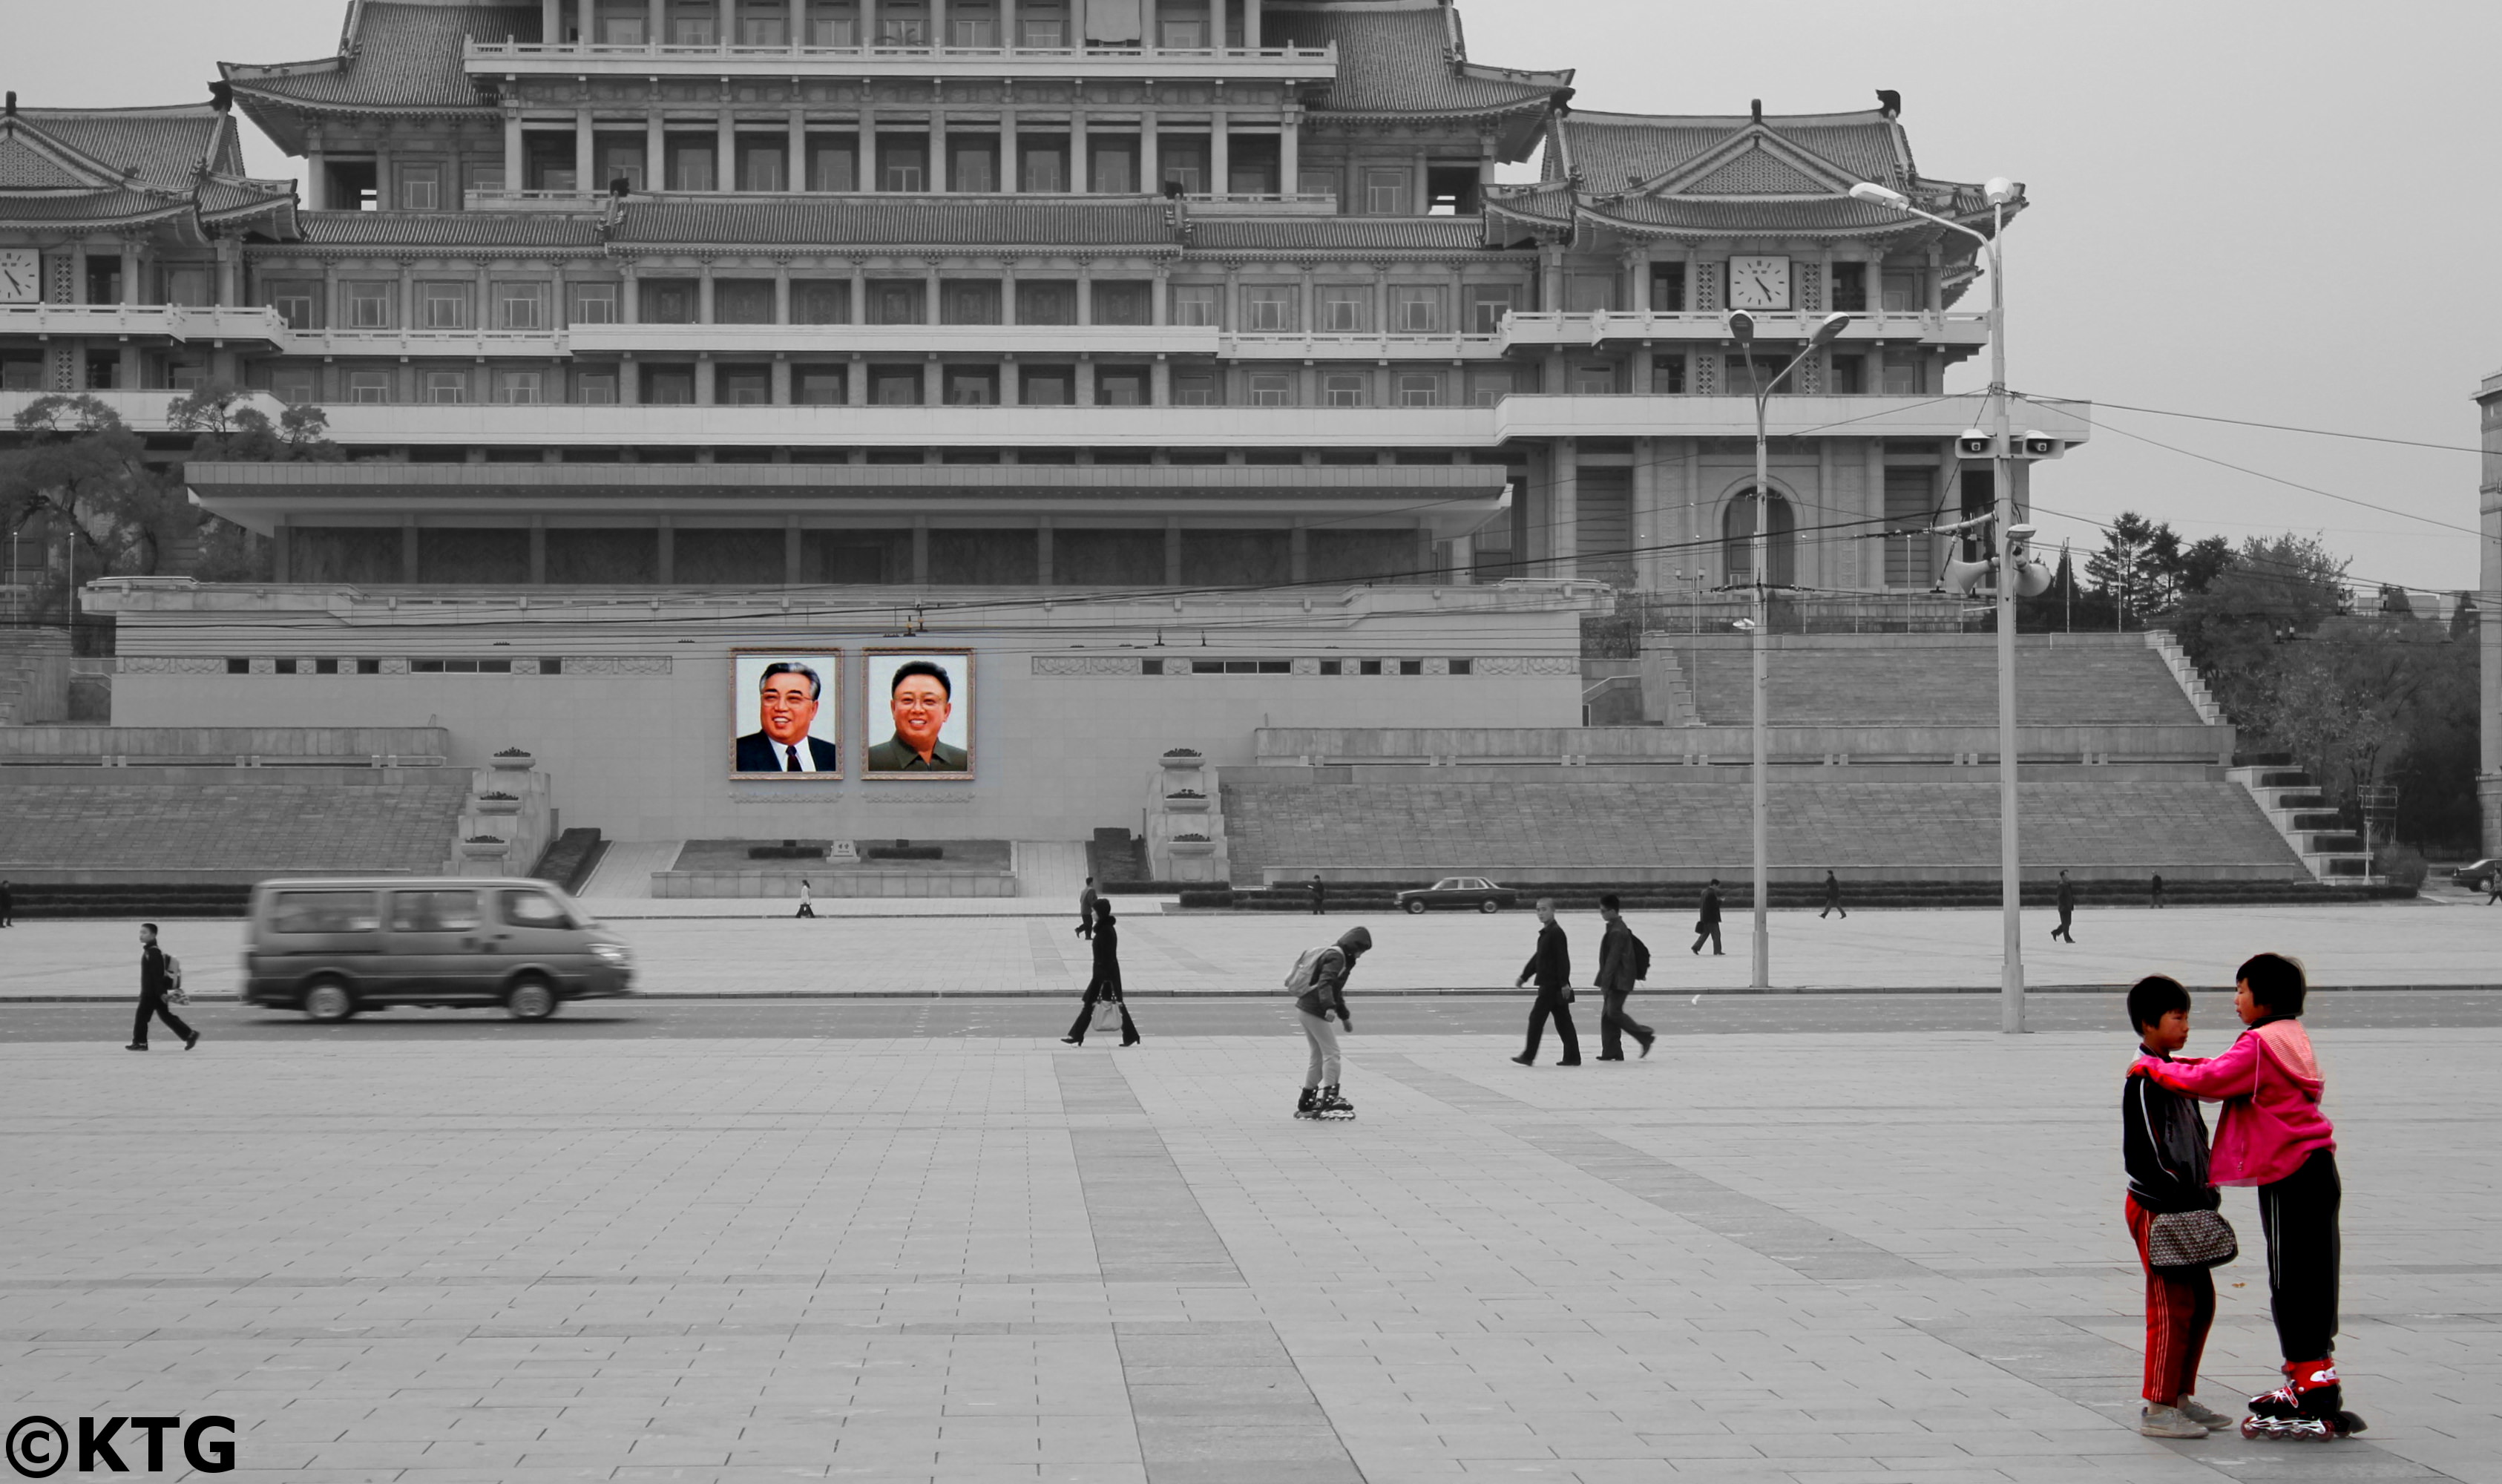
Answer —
1707 923
160 974
1318 984
1623 958
1552 965
2272 1135
1106 985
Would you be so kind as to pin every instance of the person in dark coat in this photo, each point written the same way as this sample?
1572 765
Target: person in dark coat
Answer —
1552 965
153 982
8 908
1106 982
2156 889
1832 896
2067 909
1320 895
1707 923
1615 982
1085 900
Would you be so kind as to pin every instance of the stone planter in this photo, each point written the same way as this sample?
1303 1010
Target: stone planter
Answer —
496 805
505 764
1191 847
485 850
1194 760
1176 804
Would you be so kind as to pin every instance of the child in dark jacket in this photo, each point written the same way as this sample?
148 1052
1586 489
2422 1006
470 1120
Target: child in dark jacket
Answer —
2163 1142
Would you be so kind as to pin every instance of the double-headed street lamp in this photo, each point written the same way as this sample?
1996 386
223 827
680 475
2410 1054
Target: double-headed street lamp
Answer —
2000 193
1742 329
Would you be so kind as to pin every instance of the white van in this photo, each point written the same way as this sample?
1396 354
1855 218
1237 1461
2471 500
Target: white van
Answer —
332 947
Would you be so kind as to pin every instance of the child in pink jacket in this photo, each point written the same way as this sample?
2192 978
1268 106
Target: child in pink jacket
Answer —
2274 1136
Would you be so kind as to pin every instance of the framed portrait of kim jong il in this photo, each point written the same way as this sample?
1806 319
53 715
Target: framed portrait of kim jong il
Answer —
919 714
785 714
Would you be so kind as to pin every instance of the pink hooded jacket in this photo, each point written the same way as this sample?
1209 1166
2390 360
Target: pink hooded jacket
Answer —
2269 1083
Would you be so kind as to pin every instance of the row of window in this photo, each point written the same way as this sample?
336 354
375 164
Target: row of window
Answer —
1034 163
548 664
1287 666
530 304
1040 24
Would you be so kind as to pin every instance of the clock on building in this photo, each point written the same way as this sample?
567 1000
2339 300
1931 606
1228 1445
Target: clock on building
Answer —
22 276
1759 283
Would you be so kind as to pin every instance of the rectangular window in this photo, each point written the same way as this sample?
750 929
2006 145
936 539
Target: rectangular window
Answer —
896 301
1850 288
1046 301
1488 303
667 301
298 303
974 168
1594 380
820 302
894 385
1668 288
818 385
484 176
595 388
834 167
743 387
1042 26
369 388
972 386
1343 388
520 388
593 303
742 301
1415 310
1901 371
1194 388
1116 170
909 28
1668 374
1849 376
186 287
621 23
691 164
669 386
969 301
1046 171
1049 387
420 187
1489 385
447 388
1269 307
521 306
1120 387
760 166
1387 194
1124 302
295 385
1195 303
763 23
971 26
1272 388
1317 183
443 306
690 24
1589 293
618 159
1902 290
1344 309
1183 165
369 304
902 167
832 22
1420 389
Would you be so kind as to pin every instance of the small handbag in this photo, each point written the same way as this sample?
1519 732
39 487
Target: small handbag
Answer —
2190 1240
1108 1013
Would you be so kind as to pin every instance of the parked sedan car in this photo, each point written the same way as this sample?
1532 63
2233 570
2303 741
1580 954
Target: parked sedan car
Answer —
1458 891
2477 875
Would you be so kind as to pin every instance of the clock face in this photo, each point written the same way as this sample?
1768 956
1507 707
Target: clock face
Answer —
1759 283
20 275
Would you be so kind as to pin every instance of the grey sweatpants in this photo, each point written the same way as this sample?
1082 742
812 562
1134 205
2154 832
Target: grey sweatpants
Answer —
1322 1035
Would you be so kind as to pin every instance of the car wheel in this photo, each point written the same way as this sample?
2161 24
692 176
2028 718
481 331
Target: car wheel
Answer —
1414 904
1489 905
531 999
329 1002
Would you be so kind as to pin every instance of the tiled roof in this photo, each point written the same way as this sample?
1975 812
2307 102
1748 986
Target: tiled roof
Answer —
1757 173
100 208
531 229
163 144
1826 216
880 220
1351 233
121 167
1406 59
23 167
1612 149
398 56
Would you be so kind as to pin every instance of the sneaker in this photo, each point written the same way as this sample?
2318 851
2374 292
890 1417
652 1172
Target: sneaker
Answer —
2204 1416
2160 1421
136 1046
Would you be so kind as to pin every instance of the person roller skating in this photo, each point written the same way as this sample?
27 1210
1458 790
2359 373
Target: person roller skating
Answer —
1318 984
2272 1135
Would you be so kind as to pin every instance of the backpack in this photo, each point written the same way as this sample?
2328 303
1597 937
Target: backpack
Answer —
173 981
1641 957
1307 969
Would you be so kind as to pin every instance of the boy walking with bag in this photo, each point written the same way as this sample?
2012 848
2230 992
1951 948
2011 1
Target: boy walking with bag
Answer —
2171 1212
159 976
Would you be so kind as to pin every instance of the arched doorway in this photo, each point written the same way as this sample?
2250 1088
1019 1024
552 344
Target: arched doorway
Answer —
1737 535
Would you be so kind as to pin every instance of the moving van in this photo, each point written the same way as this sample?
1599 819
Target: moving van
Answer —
333 947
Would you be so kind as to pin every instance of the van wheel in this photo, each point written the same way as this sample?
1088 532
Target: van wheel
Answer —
329 1002
531 999
1415 904
1489 905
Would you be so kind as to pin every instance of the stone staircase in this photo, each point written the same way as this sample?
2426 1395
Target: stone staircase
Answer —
2315 832
2062 680
226 824
2192 684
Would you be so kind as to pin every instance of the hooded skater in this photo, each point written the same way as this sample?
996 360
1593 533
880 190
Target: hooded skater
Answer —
1320 975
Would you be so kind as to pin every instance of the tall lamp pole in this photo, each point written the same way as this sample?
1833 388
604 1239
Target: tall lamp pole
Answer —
1742 329
2000 192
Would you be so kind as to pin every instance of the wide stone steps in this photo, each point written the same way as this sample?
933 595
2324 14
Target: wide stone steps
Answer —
2057 685
134 827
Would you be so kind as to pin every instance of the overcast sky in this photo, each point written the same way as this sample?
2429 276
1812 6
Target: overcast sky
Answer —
2271 212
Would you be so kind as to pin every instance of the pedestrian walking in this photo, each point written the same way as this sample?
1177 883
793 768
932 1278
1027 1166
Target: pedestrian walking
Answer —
2155 889
2492 886
1622 959
2163 1145
1106 985
2274 1136
1085 900
158 975
1706 924
8 908
1318 980
807 900
1552 965
1832 896
2067 910
1320 895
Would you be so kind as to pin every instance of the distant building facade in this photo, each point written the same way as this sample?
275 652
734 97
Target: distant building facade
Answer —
2488 618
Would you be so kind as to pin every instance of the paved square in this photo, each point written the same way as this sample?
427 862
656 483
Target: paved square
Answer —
1804 1256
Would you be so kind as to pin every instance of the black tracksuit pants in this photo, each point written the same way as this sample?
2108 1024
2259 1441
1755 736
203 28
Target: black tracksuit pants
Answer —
1550 1002
153 1004
2299 1215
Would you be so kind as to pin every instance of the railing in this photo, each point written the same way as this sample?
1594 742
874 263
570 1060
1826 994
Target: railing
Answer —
142 412
713 51
1262 345
176 322
539 344
1272 203
1526 328
899 339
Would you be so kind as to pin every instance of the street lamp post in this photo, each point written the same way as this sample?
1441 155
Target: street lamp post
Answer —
2000 192
1742 329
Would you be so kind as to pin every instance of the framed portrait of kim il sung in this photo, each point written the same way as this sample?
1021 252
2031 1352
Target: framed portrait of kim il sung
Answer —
785 714
919 710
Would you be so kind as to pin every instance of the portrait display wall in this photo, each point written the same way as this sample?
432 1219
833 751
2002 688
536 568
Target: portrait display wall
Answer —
785 714
919 714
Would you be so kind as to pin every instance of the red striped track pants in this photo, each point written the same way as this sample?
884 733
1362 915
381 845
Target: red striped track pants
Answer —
2179 1308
